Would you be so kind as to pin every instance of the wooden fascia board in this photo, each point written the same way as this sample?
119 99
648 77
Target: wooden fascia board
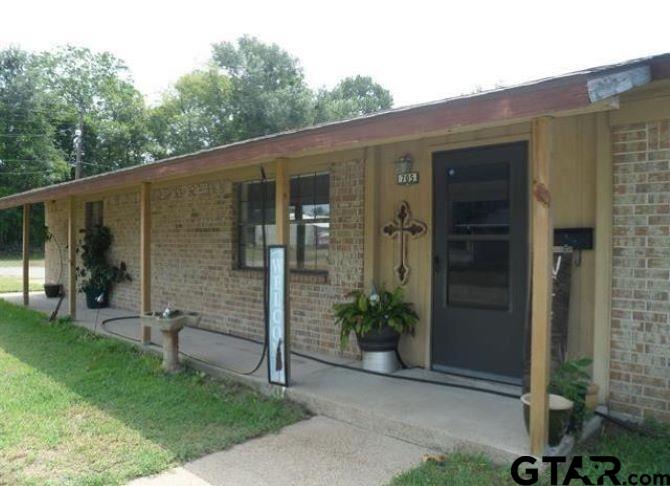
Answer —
568 94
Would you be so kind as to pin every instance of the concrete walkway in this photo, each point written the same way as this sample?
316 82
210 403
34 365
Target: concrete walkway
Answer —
313 452
442 418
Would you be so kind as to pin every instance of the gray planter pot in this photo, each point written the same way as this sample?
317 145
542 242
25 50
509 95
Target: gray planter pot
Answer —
379 350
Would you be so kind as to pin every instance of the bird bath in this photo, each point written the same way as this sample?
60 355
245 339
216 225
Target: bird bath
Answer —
169 326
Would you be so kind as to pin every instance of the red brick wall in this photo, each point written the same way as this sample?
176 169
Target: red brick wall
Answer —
194 261
640 344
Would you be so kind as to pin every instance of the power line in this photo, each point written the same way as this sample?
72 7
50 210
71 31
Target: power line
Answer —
98 164
27 135
21 173
110 165
3 160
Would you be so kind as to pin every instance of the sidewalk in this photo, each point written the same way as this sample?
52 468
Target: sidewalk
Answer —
313 452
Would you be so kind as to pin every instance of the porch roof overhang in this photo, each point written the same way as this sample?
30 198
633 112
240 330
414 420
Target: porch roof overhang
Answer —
583 91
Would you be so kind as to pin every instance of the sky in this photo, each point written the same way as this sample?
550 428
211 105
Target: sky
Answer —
419 50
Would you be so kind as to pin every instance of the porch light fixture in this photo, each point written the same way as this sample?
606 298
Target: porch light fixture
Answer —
404 164
404 169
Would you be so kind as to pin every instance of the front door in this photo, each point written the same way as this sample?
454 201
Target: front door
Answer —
480 261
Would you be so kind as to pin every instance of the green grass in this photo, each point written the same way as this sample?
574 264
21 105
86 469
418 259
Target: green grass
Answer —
36 260
457 469
638 455
15 284
9 283
77 408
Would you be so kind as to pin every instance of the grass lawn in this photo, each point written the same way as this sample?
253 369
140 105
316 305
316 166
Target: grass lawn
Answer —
77 408
638 455
36 260
14 283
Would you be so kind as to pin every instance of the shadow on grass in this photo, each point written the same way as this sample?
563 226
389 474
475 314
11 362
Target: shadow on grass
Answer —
187 415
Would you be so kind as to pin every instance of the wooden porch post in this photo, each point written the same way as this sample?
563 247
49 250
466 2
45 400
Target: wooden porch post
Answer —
542 243
603 236
282 195
72 258
145 257
26 253
371 230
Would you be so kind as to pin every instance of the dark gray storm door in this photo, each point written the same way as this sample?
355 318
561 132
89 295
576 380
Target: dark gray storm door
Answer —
480 261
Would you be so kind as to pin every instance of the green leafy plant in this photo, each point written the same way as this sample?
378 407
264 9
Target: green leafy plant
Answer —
571 380
365 313
97 272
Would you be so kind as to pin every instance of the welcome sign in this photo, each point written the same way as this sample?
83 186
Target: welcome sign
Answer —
278 326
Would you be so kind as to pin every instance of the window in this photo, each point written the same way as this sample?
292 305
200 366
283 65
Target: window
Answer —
250 221
478 246
93 214
309 217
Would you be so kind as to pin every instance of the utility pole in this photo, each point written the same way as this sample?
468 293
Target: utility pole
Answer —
78 134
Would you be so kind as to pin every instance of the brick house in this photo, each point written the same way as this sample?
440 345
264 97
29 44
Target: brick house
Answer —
491 175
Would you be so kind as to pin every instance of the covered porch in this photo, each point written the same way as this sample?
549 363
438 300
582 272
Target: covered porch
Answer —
177 222
442 418
436 416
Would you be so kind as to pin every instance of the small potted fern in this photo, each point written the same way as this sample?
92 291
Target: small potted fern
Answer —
378 320
568 388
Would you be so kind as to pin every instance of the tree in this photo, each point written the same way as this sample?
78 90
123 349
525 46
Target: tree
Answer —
95 88
352 97
28 156
252 89
268 89
194 114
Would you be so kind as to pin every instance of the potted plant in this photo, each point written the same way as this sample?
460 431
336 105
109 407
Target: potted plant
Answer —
54 289
97 272
568 389
572 380
378 320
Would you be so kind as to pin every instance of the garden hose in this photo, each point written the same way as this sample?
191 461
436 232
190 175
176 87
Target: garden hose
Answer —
246 373
631 427
313 358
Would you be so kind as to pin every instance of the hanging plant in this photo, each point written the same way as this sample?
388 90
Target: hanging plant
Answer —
55 288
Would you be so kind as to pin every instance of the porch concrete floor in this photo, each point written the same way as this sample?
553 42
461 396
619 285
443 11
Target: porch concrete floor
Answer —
437 417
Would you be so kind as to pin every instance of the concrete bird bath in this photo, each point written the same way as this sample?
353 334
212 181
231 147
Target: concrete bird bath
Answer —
170 326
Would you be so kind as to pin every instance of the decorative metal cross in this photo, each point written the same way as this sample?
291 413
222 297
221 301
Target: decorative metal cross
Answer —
403 225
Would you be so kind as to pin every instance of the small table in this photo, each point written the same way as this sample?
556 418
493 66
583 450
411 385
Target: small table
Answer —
170 327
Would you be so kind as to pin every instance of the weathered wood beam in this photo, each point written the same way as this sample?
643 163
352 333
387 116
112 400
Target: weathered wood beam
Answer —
282 197
371 221
542 236
26 254
612 84
145 257
72 257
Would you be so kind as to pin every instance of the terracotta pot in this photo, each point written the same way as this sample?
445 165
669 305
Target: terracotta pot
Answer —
560 411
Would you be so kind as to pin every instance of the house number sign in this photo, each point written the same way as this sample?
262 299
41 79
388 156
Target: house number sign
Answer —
405 175
278 317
